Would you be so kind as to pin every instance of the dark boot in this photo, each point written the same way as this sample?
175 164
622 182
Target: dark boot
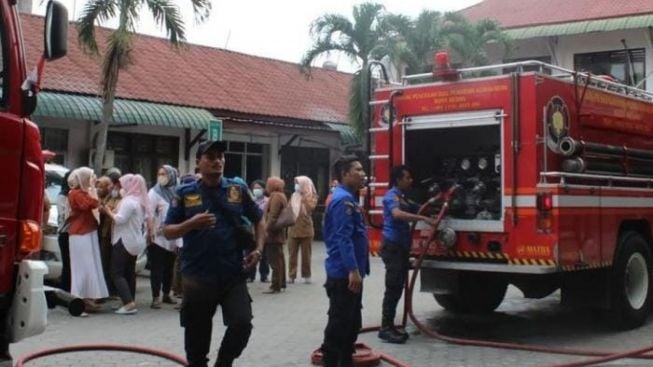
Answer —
390 334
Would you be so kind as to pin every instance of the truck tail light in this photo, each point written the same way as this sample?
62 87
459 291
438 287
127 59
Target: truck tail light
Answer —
29 236
544 211
544 201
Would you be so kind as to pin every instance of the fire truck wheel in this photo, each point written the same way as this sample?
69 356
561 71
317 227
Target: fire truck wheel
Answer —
449 302
630 283
477 293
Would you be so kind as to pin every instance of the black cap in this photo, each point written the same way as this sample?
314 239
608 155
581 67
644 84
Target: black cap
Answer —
204 147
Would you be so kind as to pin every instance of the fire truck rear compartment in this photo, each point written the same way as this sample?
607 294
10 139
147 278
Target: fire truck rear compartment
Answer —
468 156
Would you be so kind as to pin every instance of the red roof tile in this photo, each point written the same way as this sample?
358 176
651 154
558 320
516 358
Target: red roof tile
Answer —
523 13
199 76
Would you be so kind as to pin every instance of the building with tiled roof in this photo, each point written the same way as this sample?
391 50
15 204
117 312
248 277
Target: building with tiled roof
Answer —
589 35
276 121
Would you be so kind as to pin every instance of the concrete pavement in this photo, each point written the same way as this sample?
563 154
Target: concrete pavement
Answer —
289 325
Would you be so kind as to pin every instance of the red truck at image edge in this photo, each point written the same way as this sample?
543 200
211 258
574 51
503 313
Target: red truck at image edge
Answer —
23 309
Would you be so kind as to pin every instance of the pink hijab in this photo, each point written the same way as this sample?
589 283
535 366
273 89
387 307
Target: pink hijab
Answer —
134 185
306 189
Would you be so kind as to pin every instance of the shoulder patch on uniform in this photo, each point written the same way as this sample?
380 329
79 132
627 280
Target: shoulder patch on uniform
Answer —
349 207
191 200
234 194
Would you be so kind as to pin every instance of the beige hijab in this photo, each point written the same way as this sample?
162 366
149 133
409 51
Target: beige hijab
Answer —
306 191
82 178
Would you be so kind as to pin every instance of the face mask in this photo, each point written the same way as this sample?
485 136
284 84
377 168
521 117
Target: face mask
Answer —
296 187
162 180
258 193
115 193
332 189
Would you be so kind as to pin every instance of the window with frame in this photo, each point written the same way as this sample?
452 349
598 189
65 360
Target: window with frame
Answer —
244 160
626 66
143 154
55 140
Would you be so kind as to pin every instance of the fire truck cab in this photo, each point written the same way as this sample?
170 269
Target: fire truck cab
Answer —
555 176
22 300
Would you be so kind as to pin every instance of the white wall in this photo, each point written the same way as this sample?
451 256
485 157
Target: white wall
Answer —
563 48
80 132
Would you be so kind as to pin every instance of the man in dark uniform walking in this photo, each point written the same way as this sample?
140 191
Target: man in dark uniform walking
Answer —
398 212
346 264
207 214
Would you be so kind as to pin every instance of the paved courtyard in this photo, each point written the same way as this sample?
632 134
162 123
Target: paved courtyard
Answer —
288 326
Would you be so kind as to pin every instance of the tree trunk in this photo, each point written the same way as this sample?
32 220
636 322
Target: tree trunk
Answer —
103 132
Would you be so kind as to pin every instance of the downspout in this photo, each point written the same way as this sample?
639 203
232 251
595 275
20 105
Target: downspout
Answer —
551 44
631 70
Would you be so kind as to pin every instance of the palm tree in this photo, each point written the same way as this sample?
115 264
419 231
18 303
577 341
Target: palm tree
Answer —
357 40
119 45
470 40
412 42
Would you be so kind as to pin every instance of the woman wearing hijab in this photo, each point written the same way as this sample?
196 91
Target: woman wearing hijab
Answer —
87 280
300 235
128 238
162 251
275 237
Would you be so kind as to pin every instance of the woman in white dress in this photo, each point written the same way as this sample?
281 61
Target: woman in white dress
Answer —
128 238
87 280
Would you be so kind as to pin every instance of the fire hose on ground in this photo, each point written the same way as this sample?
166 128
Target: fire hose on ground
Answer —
365 356
596 356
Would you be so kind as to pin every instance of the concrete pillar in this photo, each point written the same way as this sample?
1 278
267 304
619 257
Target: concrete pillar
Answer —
26 6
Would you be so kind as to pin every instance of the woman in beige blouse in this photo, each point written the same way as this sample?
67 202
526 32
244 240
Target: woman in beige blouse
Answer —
300 235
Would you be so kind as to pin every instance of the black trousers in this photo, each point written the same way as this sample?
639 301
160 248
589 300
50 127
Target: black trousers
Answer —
395 258
123 272
263 268
343 324
162 268
64 248
200 302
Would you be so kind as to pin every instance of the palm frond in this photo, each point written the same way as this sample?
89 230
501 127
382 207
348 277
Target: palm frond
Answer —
166 14
321 48
201 10
94 11
366 34
328 25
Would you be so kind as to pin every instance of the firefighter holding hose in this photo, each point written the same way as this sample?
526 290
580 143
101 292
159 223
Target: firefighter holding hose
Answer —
398 213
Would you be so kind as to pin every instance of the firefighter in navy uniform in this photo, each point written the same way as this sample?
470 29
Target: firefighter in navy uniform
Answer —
213 266
398 212
346 264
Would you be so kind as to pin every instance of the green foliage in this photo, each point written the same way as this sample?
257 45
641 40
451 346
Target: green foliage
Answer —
119 42
407 43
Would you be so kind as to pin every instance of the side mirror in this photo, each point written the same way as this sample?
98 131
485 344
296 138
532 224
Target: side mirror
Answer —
55 35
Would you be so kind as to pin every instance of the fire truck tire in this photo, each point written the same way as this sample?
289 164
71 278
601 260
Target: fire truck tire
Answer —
477 293
449 302
630 283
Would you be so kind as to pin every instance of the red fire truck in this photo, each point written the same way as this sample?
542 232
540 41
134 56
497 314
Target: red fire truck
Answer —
22 300
555 176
